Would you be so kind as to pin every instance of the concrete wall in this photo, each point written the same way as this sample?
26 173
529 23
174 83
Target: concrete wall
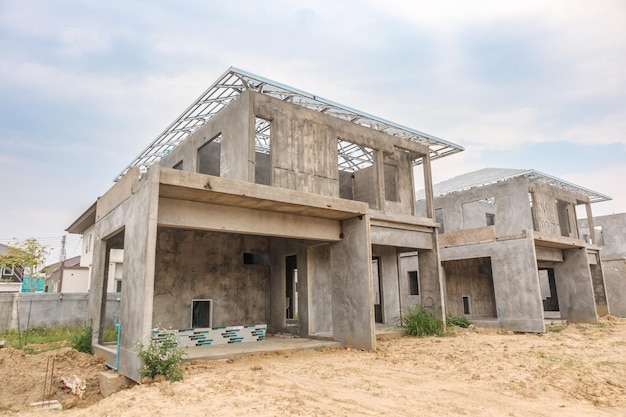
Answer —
615 282
320 289
49 310
613 256
515 279
464 210
546 211
134 219
303 152
574 287
470 278
351 275
192 264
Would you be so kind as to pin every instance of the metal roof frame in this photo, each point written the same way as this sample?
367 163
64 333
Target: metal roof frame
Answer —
474 180
234 81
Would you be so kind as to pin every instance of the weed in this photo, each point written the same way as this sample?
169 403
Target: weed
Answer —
555 329
606 363
109 334
39 335
82 341
162 357
565 361
419 322
458 321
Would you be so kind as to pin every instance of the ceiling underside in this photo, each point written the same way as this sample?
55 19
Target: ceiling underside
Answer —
235 81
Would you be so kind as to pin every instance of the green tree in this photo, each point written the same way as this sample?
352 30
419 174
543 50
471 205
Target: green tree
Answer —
27 256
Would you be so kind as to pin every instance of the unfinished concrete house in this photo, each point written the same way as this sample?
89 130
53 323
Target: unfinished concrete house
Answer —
511 250
609 233
263 204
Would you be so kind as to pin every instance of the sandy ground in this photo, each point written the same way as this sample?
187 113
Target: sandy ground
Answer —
580 371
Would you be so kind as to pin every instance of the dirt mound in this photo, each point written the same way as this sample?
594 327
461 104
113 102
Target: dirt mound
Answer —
25 376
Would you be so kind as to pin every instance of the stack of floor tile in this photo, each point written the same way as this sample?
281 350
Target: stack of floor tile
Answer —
214 336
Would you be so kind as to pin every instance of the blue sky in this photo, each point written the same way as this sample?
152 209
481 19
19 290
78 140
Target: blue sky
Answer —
86 86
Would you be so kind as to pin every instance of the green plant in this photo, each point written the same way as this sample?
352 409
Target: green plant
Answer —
555 329
109 334
419 322
458 321
162 357
82 341
59 336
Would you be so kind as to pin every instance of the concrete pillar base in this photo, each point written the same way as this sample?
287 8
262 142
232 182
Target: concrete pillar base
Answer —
111 382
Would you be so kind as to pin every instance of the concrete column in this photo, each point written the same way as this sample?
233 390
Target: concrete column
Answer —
320 290
516 285
428 188
351 273
592 230
599 288
431 280
574 287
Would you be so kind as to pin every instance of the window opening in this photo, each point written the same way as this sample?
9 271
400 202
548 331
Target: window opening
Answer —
178 166
253 259
439 219
262 151
414 286
564 219
479 213
209 156
391 183
358 179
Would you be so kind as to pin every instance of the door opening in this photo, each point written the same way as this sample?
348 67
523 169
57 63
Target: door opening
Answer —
548 289
376 282
291 290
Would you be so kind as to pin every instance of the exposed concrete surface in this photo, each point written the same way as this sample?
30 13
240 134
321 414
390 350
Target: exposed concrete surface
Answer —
59 309
271 344
611 238
189 224
111 382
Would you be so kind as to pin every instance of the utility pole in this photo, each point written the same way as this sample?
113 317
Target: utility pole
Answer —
62 259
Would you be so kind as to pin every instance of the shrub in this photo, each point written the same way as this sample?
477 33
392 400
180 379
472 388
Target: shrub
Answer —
162 357
458 321
81 341
419 322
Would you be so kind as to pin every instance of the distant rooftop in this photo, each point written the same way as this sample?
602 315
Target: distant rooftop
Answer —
488 176
234 81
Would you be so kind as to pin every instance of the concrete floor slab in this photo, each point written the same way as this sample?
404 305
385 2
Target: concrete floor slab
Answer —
270 344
